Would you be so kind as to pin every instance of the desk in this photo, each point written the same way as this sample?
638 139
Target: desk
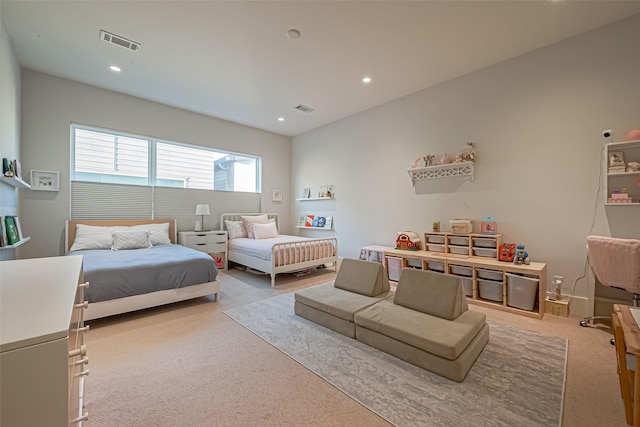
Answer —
631 333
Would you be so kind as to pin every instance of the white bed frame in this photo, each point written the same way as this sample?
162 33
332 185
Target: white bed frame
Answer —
100 309
269 267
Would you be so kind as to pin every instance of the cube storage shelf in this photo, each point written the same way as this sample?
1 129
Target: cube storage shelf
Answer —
516 288
479 245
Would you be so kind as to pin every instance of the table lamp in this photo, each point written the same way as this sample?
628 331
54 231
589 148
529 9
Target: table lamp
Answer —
201 210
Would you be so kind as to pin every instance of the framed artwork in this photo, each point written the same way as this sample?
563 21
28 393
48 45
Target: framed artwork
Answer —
45 180
616 158
306 193
276 195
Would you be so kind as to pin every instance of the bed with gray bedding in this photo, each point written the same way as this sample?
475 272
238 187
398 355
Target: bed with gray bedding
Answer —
119 274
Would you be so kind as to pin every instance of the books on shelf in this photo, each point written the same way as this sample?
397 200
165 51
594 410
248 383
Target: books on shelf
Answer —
11 232
315 221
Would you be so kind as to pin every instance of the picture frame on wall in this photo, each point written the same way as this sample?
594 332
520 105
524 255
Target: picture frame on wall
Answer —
276 195
45 180
616 159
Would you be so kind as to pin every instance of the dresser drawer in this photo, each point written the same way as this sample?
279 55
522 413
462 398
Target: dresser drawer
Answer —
216 247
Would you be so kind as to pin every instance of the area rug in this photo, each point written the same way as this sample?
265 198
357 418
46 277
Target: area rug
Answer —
518 380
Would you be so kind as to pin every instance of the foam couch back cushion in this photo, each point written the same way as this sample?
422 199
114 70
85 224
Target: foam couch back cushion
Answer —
437 294
362 277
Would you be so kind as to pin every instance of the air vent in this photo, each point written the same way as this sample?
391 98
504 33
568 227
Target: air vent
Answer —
119 41
304 108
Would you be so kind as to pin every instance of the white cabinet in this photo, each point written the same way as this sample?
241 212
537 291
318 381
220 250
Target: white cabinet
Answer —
213 242
618 178
42 353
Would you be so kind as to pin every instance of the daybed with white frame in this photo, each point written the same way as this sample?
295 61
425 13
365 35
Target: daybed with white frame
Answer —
287 253
148 299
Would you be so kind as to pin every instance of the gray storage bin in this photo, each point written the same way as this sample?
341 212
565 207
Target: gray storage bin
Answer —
485 242
435 238
461 270
415 263
435 248
459 240
395 268
521 291
462 250
490 289
467 283
489 274
485 252
436 266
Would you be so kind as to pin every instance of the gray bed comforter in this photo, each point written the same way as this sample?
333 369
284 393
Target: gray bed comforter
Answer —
118 274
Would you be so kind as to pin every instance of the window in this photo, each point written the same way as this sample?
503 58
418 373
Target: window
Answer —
112 157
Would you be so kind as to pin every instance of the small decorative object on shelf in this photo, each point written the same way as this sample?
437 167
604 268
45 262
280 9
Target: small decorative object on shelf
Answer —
461 226
633 135
436 226
521 256
306 192
489 226
507 252
429 159
620 197
616 162
554 293
633 167
407 240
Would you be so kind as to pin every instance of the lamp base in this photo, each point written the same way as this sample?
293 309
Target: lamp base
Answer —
198 226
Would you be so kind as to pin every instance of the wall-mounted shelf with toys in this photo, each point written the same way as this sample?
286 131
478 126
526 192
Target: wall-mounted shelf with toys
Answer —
463 170
622 181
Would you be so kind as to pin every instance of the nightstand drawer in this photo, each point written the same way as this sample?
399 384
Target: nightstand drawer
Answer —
197 239
216 247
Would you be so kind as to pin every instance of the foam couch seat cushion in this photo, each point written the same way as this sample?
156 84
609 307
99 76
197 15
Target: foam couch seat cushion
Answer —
433 293
362 277
337 302
442 337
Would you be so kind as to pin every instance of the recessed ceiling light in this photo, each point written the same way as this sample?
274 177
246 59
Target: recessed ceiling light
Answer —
367 79
114 68
281 119
293 34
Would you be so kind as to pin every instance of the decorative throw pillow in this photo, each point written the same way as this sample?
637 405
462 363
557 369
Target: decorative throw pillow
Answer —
93 237
131 240
250 221
265 231
235 229
158 233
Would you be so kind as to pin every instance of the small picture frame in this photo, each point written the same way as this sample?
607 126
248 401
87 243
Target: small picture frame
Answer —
616 159
306 193
276 195
45 180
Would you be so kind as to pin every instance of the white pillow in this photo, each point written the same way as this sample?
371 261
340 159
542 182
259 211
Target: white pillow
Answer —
130 240
250 221
158 233
93 237
265 231
235 229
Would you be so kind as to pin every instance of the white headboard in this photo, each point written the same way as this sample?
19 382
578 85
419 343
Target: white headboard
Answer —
237 217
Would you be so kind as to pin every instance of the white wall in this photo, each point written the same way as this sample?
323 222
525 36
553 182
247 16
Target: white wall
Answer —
536 122
9 125
51 104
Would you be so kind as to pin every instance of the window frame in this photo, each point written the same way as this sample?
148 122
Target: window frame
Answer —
152 166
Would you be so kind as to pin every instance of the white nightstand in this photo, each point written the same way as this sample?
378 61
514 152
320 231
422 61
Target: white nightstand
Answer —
213 242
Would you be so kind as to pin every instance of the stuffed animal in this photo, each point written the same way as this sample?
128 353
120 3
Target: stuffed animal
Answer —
521 256
428 160
633 167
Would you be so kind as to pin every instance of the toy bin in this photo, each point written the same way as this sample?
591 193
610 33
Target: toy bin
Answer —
395 268
490 289
436 266
467 284
521 291
485 252
435 248
435 238
461 270
414 263
461 250
489 274
459 240
484 242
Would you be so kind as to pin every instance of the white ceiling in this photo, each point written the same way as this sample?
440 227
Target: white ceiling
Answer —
233 59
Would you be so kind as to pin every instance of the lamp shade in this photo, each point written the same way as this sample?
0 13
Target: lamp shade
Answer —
202 210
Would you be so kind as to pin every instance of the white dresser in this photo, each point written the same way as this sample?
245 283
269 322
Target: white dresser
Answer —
42 354
213 242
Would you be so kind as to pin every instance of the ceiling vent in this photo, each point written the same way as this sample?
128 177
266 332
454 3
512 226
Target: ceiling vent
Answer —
119 41
304 108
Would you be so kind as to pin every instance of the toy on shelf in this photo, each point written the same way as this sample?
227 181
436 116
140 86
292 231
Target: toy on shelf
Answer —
620 197
429 159
489 226
633 167
507 252
407 240
521 256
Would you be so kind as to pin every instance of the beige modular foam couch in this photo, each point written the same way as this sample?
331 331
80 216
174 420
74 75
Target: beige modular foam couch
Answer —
426 322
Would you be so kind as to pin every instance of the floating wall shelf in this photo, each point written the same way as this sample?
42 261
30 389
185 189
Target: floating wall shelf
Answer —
16 182
451 170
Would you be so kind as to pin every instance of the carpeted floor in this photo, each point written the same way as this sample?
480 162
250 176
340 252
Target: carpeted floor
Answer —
502 389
